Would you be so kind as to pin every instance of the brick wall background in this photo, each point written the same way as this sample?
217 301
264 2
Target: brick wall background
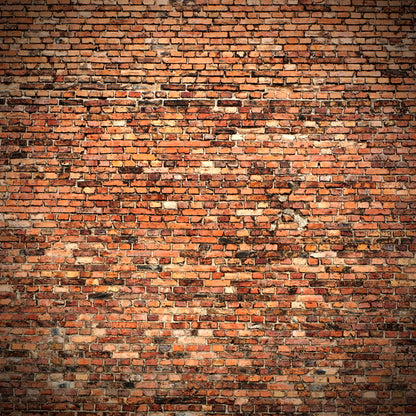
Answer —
208 207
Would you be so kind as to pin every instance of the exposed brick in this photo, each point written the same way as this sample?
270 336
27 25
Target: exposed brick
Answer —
207 208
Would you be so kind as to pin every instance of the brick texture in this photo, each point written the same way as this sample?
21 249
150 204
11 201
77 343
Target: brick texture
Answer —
207 207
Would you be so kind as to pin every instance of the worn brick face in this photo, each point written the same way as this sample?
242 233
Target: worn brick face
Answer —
207 208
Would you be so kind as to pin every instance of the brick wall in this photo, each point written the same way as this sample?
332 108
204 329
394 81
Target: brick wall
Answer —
208 207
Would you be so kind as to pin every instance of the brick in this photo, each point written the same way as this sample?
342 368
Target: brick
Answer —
207 208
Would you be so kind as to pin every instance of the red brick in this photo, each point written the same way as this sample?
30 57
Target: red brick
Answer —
207 208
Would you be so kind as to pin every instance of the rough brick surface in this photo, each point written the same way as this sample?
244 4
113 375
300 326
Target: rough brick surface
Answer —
208 207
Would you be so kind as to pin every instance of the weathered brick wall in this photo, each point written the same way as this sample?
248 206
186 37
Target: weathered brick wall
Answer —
208 207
